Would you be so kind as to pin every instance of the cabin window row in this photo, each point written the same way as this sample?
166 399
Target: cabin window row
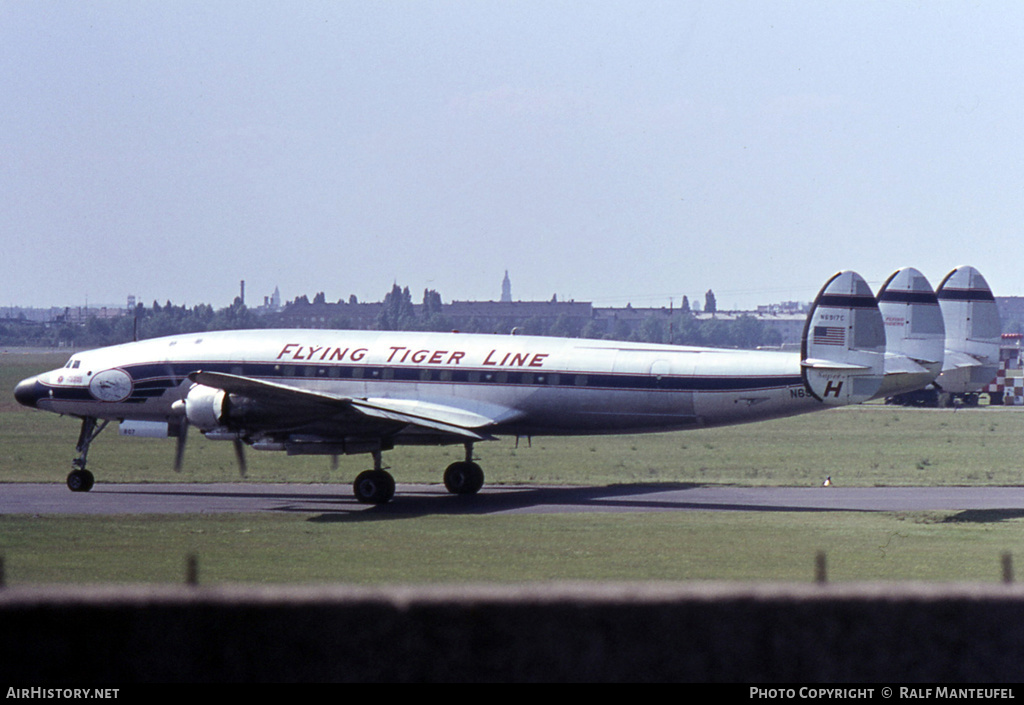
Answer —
163 376
425 375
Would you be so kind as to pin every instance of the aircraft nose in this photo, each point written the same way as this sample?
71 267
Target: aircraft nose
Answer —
29 391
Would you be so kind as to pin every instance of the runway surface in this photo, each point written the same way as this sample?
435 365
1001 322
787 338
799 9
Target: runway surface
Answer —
113 499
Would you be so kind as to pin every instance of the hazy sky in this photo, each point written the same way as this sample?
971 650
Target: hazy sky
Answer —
601 151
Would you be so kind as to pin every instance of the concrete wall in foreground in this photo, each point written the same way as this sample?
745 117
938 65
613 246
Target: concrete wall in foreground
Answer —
549 632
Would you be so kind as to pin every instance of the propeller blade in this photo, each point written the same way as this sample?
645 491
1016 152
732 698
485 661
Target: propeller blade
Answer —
240 455
179 452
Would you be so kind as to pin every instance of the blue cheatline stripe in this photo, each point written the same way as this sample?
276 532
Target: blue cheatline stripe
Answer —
170 376
908 297
966 295
478 376
846 301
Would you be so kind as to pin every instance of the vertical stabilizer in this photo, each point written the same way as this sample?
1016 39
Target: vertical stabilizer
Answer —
973 331
843 346
915 334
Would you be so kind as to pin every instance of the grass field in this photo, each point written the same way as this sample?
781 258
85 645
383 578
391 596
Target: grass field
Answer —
872 445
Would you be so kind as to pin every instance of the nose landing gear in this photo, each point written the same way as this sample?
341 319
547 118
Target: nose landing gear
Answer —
80 479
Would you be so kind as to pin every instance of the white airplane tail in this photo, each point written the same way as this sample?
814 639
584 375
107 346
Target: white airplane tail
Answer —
915 334
973 331
843 346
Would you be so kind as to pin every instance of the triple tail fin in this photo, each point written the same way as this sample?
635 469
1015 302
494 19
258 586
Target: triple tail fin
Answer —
915 333
973 331
843 347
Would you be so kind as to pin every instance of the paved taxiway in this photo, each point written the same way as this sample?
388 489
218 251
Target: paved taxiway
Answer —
113 499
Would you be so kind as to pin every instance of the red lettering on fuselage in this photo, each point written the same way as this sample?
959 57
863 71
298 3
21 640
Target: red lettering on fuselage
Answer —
510 359
399 354
319 352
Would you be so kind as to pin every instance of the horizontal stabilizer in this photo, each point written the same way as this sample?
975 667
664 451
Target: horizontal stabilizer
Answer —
900 369
843 346
833 365
958 360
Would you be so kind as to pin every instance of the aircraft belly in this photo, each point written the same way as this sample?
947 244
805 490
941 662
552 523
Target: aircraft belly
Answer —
724 408
605 411
552 410
567 410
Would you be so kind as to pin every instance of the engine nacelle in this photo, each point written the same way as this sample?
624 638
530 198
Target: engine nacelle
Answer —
206 407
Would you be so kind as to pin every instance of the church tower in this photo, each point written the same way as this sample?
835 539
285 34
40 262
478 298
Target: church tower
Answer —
506 288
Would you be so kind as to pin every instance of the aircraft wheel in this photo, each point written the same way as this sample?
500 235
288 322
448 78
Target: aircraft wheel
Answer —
80 481
464 477
374 487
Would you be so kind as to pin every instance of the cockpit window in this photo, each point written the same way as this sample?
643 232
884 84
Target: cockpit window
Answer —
73 364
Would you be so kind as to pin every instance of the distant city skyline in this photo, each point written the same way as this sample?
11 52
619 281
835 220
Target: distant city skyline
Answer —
275 299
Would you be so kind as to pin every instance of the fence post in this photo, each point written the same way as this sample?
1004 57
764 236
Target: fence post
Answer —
191 570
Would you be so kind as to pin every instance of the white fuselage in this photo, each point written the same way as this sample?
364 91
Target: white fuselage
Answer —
529 385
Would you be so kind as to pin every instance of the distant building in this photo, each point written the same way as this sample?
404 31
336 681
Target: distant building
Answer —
623 321
786 307
1011 313
506 289
81 314
271 303
33 315
353 316
501 316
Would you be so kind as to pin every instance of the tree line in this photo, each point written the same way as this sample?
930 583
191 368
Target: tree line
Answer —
680 327
397 312
137 324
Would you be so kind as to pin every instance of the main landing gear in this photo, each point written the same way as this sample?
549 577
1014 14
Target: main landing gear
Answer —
80 479
377 486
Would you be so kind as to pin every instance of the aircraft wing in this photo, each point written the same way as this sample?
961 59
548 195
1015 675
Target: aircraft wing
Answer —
447 419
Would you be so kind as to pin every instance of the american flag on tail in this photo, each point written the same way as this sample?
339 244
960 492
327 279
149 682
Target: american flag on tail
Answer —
829 335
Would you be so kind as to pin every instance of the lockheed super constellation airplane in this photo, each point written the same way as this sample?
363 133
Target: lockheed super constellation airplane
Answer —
343 392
